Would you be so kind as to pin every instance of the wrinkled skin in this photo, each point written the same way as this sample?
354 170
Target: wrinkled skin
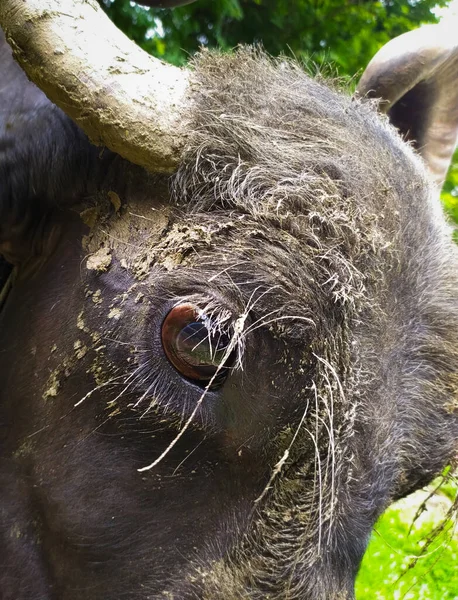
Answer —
347 296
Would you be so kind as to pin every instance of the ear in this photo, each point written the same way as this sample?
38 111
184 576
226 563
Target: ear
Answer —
45 160
416 77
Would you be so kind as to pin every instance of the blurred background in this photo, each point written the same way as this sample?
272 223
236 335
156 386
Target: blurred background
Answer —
413 554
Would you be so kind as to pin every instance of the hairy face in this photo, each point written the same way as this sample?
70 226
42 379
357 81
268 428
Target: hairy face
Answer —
214 385
110 398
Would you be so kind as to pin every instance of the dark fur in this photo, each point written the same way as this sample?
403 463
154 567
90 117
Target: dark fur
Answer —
301 211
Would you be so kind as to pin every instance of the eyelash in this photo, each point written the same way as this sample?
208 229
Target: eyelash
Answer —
156 383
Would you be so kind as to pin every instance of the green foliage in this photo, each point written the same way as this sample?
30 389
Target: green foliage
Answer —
450 192
413 551
344 32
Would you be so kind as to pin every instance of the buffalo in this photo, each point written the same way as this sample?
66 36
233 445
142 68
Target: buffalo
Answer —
229 324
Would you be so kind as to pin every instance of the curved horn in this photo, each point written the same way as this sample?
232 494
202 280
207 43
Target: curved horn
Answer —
416 75
119 95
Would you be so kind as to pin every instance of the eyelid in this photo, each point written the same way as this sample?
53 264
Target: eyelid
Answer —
175 322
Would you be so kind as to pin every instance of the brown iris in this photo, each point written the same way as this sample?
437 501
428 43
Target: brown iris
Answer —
193 346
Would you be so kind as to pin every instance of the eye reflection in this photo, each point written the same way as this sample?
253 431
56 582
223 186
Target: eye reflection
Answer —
194 346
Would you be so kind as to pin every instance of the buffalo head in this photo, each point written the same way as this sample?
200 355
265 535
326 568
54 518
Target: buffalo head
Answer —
230 336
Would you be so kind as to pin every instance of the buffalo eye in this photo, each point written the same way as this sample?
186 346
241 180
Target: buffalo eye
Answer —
195 346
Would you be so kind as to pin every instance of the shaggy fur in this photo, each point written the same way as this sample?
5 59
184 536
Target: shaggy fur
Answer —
352 238
302 225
